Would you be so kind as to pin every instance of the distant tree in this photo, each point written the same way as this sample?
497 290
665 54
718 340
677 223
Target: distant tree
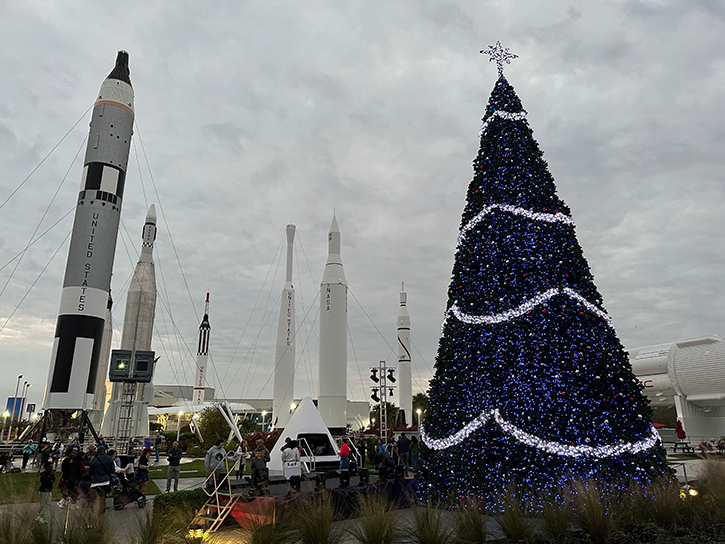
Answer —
212 425
392 412
420 402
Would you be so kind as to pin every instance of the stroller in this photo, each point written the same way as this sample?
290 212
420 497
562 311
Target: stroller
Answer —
125 491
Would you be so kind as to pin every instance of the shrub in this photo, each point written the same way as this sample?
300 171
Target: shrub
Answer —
174 508
658 502
513 521
593 508
470 523
557 520
313 521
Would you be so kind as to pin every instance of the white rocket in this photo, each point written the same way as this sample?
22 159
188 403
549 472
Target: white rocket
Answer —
284 357
332 371
202 357
405 379
99 395
138 327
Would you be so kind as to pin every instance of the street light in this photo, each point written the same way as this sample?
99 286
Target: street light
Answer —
418 411
178 424
292 407
373 420
15 400
26 386
5 420
264 414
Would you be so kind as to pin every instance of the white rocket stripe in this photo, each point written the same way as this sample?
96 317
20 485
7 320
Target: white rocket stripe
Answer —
565 450
93 301
527 307
78 382
109 180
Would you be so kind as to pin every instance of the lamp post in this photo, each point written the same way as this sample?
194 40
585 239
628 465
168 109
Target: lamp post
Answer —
26 386
5 420
15 400
418 411
264 414
178 424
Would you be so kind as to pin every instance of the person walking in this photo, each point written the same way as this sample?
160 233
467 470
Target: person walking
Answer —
57 453
174 456
71 469
47 478
28 450
44 451
142 473
100 471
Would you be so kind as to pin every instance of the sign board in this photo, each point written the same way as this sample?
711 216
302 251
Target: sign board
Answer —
30 409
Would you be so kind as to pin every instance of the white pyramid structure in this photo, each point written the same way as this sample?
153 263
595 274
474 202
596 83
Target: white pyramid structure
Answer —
305 422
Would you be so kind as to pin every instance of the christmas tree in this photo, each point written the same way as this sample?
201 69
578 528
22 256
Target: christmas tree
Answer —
532 387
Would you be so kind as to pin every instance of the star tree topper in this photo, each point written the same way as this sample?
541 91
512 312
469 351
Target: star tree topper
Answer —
499 54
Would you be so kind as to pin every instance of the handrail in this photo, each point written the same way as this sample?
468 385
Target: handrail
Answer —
217 485
310 456
356 452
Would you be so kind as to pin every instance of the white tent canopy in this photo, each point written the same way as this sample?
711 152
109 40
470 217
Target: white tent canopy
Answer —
189 408
306 421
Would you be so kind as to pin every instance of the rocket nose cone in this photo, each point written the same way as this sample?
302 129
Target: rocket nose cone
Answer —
333 225
121 70
151 215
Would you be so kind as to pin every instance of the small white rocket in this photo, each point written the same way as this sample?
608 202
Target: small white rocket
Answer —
405 379
138 328
202 357
284 357
332 371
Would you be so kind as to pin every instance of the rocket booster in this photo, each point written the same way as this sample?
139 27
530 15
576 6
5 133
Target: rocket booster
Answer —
202 357
79 328
405 379
284 369
138 327
332 370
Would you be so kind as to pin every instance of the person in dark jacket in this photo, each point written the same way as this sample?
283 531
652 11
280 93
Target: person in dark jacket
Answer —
72 469
47 478
260 458
100 471
174 456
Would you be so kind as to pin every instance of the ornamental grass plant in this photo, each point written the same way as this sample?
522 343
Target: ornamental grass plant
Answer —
378 520
659 502
313 519
594 510
557 520
429 527
470 523
513 522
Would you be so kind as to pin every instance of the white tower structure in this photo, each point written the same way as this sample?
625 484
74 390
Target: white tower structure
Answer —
405 378
332 371
202 356
284 358
138 327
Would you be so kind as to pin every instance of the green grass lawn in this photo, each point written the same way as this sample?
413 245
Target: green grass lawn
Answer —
193 469
23 487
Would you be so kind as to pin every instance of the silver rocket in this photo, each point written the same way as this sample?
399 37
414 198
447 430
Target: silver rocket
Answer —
405 379
332 370
202 357
138 328
79 328
284 357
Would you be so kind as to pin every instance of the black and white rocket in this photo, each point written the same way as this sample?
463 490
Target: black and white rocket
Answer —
202 357
81 318
332 370
405 378
138 328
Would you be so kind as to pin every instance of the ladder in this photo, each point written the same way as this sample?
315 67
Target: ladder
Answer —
219 504
125 416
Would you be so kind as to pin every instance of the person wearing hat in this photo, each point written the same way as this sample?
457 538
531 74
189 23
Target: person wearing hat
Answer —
100 471
28 450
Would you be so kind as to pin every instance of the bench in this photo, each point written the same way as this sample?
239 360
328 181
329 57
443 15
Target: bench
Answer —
684 446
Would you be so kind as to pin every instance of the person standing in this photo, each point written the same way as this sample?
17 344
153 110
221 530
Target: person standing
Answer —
158 442
45 450
28 450
47 478
344 456
404 451
57 453
71 469
414 450
291 465
241 462
174 456
260 458
89 455
214 464
142 473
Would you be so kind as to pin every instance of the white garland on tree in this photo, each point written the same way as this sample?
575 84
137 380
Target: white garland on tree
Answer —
504 115
549 446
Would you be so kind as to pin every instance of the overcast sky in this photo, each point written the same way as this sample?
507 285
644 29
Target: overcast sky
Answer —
253 115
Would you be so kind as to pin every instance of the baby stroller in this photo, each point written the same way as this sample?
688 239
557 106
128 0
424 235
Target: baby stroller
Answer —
125 491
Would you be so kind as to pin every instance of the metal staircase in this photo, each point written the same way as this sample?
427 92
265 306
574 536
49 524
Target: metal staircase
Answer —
220 502
125 416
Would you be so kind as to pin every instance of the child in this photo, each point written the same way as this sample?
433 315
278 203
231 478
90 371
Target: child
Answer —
47 478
